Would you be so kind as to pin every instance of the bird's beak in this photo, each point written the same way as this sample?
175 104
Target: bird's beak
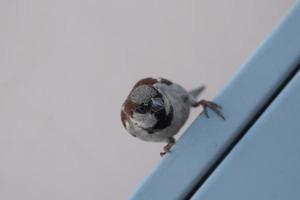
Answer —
157 104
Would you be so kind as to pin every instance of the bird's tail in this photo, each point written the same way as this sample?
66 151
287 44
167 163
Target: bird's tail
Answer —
197 91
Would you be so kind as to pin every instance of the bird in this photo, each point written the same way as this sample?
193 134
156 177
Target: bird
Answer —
157 108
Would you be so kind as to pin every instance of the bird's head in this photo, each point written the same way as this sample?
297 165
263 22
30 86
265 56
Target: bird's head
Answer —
147 108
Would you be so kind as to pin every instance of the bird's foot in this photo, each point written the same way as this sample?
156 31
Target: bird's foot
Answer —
213 106
167 148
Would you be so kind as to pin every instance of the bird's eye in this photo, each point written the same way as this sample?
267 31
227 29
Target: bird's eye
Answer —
141 110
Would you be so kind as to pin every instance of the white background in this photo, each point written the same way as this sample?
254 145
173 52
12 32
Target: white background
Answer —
66 66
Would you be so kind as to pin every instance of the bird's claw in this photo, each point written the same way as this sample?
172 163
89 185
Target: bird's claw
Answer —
166 149
213 106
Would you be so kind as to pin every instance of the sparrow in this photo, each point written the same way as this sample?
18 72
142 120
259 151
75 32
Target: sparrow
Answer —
156 109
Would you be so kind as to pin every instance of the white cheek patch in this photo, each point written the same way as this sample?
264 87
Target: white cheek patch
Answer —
127 124
144 120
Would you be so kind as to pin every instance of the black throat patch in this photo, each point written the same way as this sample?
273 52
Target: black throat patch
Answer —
163 121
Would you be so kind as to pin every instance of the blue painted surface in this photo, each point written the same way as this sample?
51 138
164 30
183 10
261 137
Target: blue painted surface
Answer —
205 141
265 163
